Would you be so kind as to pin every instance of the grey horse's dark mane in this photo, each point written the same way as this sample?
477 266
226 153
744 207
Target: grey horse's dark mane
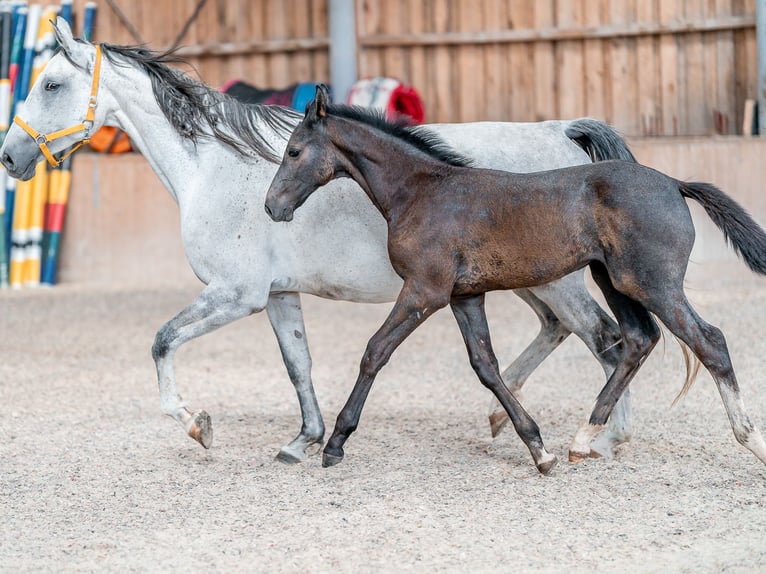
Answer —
197 111
420 137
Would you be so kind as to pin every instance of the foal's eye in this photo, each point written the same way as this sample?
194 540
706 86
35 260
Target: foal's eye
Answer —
293 152
52 86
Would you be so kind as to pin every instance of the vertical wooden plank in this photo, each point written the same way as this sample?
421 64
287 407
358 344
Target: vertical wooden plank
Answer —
545 70
696 104
393 57
569 61
417 65
497 94
371 23
257 64
594 64
521 76
277 29
726 100
321 58
745 65
669 12
206 33
470 63
648 76
623 71
300 62
442 69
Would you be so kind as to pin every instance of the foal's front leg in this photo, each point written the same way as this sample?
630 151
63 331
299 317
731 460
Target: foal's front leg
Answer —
469 312
411 309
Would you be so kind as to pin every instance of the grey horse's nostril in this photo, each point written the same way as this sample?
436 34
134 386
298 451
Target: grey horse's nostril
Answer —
7 160
268 210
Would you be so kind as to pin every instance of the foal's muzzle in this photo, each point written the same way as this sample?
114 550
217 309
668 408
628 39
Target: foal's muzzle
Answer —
279 214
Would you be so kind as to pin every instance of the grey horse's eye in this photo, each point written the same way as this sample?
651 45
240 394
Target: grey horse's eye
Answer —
293 152
52 86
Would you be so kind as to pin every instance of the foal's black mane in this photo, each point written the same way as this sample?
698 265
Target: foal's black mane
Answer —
419 137
198 111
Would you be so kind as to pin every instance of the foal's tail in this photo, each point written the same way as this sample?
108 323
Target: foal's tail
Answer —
598 140
747 238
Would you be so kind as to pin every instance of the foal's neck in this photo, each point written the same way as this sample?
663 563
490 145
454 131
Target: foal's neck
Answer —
388 169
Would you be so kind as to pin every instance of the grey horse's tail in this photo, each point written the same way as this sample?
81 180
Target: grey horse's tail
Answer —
741 231
598 140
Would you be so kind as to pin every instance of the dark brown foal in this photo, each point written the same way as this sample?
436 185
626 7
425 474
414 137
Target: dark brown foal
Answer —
455 232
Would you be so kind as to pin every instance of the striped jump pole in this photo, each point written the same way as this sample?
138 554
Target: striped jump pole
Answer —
23 202
44 48
89 21
65 11
6 40
60 182
33 247
17 45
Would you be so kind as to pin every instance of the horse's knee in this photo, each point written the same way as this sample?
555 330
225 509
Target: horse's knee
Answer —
638 342
373 360
162 342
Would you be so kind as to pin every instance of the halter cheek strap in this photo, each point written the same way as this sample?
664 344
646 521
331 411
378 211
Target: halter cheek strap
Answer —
42 140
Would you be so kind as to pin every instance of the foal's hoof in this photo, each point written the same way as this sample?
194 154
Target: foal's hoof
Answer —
497 422
200 428
575 457
546 466
331 459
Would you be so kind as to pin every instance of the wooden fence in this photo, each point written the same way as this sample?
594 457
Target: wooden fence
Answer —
649 67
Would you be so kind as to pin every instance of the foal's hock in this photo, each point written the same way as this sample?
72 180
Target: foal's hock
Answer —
456 232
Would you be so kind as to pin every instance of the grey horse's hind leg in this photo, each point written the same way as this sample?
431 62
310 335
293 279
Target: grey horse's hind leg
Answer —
213 308
552 334
286 316
566 306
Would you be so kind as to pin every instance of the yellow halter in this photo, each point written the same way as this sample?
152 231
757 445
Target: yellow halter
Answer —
87 124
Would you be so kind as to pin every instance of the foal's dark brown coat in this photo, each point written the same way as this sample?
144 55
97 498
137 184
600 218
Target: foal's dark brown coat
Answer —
456 232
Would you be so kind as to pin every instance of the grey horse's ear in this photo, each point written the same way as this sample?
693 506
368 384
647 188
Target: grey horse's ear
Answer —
76 51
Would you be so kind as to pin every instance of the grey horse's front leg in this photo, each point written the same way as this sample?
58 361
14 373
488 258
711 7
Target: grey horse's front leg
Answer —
213 308
286 316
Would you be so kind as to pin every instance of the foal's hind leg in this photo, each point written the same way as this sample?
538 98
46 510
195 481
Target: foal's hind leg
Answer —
574 306
640 334
286 316
472 320
211 309
562 307
709 345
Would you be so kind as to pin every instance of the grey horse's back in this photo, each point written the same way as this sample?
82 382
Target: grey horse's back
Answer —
599 140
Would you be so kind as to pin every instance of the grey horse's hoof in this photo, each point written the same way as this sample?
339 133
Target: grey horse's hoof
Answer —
290 457
331 459
200 428
575 457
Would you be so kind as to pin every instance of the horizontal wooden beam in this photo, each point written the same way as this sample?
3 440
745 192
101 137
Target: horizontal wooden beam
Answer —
489 37
255 47
557 34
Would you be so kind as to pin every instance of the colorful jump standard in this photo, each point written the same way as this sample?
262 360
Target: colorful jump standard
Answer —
20 17
6 39
44 48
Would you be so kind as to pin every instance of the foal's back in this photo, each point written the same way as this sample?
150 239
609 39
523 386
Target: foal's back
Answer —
498 230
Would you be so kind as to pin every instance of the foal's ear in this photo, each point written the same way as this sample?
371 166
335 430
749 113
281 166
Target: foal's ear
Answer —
317 109
75 50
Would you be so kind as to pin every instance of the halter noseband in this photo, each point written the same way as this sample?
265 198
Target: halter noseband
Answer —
42 140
